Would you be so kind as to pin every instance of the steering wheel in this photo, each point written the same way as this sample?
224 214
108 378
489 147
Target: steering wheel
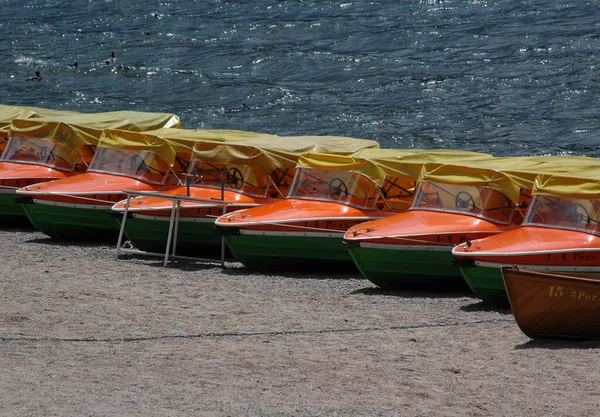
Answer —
234 177
578 213
46 154
338 187
464 200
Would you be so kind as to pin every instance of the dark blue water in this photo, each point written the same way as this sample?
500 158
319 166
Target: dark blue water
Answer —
505 77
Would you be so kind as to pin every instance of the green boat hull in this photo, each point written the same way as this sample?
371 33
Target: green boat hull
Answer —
401 269
195 239
10 210
285 252
73 223
487 284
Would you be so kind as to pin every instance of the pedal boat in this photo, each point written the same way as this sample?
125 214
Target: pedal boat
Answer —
556 305
560 234
223 177
329 194
453 204
78 207
58 147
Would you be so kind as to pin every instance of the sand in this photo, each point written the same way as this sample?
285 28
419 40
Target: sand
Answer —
83 333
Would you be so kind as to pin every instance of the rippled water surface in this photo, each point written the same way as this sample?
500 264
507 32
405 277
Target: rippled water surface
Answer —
505 77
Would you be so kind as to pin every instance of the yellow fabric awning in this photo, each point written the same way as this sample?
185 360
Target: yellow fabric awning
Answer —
379 163
267 153
10 113
508 175
167 142
584 185
74 131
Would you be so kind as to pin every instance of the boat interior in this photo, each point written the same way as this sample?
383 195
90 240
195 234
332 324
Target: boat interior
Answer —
240 178
483 202
37 151
564 213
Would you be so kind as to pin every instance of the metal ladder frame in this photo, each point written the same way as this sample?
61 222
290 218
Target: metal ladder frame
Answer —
173 226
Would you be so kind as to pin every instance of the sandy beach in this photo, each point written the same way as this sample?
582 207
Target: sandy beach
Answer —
83 333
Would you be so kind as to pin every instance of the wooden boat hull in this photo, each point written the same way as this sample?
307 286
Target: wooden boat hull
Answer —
532 248
549 305
292 232
413 248
78 208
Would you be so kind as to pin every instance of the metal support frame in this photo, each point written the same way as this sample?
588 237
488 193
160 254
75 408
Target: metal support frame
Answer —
171 248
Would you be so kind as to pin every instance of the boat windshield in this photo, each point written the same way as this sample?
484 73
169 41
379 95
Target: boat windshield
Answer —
142 165
3 140
398 193
564 213
239 178
39 152
344 187
483 202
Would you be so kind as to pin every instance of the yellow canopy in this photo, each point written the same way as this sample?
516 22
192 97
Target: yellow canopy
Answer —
508 175
379 163
584 185
10 113
74 131
267 153
167 142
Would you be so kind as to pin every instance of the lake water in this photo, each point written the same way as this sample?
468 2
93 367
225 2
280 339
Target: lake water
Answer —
504 77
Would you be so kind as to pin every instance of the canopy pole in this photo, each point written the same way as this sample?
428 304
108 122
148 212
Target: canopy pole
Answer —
188 180
122 230
170 235
176 230
223 211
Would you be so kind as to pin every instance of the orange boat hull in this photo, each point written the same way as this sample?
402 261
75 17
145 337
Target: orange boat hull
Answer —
414 248
15 175
78 208
291 232
537 248
529 247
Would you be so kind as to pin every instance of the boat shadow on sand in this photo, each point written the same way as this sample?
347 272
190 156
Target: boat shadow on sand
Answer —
485 307
46 240
416 291
299 272
17 226
557 344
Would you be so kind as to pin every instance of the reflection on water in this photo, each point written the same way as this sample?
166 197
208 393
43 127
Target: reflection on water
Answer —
497 77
